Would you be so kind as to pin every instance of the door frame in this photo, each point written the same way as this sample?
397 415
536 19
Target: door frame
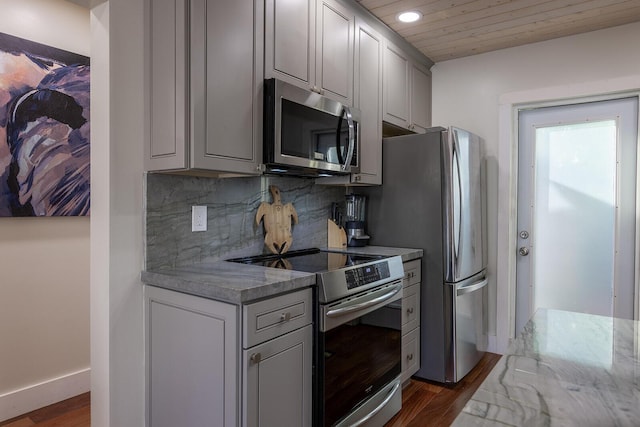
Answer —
509 106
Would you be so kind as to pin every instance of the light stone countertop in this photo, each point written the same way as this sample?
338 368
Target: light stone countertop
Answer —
238 283
565 369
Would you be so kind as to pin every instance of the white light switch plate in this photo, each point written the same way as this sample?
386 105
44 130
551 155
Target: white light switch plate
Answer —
198 218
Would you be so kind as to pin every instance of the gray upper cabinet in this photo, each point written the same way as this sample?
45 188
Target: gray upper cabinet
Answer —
315 53
420 96
368 96
407 90
334 50
206 80
289 41
368 99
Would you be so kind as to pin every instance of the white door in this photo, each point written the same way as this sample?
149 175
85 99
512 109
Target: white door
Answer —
576 209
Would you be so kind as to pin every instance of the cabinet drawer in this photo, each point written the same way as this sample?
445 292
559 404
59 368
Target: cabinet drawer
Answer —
412 272
410 308
273 317
410 354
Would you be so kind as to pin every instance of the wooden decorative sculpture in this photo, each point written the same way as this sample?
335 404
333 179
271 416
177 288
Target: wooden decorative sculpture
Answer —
277 222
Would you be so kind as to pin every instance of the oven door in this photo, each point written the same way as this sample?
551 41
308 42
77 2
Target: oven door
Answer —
359 344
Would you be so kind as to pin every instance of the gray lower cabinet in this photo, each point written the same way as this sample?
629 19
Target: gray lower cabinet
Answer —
411 319
211 363
206 74
277 375
192 348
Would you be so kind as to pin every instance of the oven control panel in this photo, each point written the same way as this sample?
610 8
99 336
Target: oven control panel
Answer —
364 275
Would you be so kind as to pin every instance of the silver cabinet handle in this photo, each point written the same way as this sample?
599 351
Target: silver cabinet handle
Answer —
255 358
410 310
410 356
285 317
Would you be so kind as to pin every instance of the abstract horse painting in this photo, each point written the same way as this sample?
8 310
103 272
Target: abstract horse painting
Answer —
44 130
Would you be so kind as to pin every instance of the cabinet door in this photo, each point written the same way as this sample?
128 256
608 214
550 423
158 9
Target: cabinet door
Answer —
226 78
168 125
191 349
334 51
410 354
410 308
368 92
368 99
420 98
396 86
288 40
277 381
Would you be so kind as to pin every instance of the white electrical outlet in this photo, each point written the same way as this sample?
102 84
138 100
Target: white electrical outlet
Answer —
198 218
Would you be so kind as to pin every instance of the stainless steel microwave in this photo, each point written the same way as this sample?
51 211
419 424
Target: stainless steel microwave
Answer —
307 134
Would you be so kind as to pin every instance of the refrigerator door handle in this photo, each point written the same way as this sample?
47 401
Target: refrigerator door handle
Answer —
472 288
457 208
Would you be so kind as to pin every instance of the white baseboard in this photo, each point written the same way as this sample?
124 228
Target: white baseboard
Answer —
493 344
36 396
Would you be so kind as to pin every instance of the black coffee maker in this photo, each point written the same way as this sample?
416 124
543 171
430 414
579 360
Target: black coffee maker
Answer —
354 225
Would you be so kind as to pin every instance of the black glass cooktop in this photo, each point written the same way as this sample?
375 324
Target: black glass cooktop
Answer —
308 260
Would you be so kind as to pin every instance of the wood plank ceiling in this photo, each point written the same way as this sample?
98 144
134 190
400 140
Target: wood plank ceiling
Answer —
453 29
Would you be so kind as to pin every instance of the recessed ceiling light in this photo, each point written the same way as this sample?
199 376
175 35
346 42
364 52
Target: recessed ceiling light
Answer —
411 16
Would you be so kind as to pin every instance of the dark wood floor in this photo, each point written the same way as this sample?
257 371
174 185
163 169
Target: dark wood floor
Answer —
74 412
424 404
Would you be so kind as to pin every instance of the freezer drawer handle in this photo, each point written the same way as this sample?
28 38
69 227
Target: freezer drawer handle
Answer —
472 288
340 311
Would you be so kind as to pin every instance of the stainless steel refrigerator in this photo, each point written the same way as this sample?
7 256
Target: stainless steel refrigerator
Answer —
432 197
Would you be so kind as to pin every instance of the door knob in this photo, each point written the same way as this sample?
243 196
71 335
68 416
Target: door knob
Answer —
523 251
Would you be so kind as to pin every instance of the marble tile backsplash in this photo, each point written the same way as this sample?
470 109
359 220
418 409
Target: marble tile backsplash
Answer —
232 204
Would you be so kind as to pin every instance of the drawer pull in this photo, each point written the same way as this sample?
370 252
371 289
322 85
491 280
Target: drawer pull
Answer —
285 317
410 310
255 358
410 356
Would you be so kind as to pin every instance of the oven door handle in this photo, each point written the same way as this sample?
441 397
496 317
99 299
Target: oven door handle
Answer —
360 306
377 408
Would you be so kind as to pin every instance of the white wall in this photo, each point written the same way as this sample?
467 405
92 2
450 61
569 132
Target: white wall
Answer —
118 89
480 92
44 262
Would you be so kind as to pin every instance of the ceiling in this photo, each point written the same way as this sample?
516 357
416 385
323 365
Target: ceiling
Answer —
453 29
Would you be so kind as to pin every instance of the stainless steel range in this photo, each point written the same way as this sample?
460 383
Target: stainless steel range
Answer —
358 334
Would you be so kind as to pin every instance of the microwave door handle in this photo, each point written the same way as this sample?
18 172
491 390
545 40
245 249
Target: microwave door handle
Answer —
338 143
352 138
